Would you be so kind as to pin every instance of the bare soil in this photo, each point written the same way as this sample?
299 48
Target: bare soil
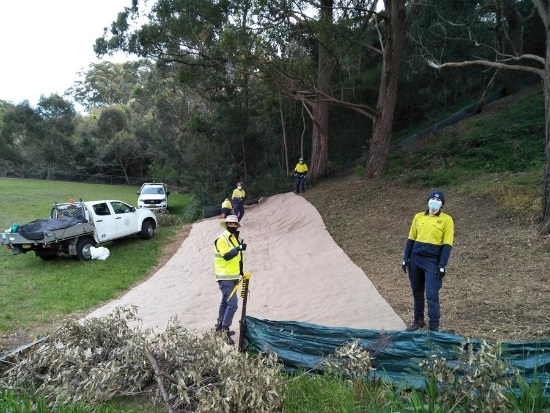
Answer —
498 278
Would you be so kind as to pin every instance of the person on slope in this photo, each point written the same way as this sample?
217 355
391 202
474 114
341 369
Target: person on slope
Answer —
426 254
237 199
226 208
300 173
228 268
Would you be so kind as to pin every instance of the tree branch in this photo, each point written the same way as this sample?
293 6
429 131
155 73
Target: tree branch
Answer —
158 377
488 63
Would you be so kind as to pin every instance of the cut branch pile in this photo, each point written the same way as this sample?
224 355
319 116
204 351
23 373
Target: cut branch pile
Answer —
96 360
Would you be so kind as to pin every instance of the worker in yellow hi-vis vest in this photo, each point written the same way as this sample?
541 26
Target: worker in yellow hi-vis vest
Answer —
300 173
228 268
237 199
226 208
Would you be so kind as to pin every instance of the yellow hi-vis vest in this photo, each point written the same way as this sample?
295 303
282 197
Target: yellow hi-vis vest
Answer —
227 270
227 204
300 168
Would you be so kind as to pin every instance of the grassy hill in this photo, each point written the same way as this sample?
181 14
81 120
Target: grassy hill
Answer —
498 282
491 168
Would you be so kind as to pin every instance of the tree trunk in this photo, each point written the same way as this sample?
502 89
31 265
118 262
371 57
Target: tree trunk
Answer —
379 147
283 128
319 139
320 110
513 43
544 228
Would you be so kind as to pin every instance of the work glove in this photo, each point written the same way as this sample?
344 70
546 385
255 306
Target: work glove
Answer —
242 246
405 264
440 273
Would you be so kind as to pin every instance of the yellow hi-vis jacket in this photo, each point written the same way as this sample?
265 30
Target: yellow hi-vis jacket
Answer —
227 257
300 168
227 204
239 194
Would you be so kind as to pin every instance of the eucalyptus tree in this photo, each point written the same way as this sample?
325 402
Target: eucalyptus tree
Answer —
398 15
333 37
530 63
120 150
185 37
169 118
50 144
106 83
15 122
226 44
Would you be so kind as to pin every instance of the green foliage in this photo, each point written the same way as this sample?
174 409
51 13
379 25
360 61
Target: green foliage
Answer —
269 182
479 146
14 402
318 394
350 360
477 381
98 359
531 398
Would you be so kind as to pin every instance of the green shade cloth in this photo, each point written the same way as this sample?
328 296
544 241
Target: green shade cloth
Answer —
396 354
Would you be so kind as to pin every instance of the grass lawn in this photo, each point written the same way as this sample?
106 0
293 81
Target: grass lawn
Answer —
36 293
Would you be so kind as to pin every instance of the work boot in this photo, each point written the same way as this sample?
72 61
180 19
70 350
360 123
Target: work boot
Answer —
433 327
418 323
226 334
218 328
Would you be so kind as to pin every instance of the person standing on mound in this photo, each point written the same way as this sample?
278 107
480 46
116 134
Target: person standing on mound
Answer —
237 199
426 254
300 173
228 268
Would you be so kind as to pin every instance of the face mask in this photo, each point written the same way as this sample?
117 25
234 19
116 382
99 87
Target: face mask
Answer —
232 230
434 204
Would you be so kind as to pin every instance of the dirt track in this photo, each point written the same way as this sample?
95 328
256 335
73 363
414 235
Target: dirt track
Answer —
298 273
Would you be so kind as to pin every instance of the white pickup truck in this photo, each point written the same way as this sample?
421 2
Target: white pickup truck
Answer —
74 227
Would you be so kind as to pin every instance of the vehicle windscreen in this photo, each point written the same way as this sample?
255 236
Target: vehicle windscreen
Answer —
152 191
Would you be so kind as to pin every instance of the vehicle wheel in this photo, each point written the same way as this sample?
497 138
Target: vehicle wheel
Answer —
147 229
83 251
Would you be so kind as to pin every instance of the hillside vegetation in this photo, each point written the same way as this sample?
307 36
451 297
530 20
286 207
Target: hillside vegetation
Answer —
490 167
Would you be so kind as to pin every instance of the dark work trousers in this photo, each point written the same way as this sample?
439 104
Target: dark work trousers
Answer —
227 308
299 183
422 278
238 207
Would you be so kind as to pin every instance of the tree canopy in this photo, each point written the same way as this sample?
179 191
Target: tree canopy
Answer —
228 91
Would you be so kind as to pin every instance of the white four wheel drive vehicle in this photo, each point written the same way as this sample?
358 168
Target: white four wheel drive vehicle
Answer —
153 196
74 227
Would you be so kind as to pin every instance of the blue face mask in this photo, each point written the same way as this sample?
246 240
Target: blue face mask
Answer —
434 204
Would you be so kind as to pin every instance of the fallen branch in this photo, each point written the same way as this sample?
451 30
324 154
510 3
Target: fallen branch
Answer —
158 377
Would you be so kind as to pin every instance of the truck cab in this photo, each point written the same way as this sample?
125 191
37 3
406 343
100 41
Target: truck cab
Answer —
153 196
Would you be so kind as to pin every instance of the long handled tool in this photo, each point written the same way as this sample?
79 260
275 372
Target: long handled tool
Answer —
244 295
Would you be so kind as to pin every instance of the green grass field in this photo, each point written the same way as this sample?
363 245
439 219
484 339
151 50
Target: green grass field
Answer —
36 292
